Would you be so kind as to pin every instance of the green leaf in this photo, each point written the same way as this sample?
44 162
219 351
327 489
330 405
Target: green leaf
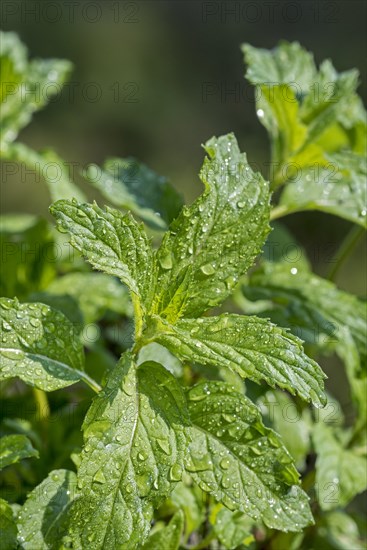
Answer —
341 531
310 301
232 528
8 527
320 101
216 240
27 252
314 119
39 345
111 241
281 75
240 462
279 112
14 448
129 184
159 354
252 347
287 63
43 518
133 455
168 537
94 293
338 188
341 473
289 422
50 166
190 500
26 86
327 101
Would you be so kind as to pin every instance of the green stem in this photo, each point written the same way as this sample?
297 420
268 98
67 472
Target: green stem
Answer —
280 212
137 315
43 408
345 249
90 382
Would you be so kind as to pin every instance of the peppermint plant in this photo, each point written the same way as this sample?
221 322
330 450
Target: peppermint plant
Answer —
183 392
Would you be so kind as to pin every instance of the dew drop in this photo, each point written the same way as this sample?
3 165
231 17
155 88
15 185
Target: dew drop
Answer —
175 473
166 261
224 463
226 482
129 488
99 477
207 269
6 326
164 445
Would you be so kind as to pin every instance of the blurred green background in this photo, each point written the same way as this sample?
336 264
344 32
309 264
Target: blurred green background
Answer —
155 79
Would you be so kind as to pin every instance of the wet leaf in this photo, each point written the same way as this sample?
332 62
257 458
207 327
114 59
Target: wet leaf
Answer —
14 448
251 346
167 537
39 345
214 241
132 457
43 518
111 241
240 462
129 184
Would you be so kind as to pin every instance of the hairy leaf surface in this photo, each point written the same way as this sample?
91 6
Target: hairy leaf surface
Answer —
214 241
243 464
133 455
43 518
111 241
252 347
314 119
39 345
338 187
288 63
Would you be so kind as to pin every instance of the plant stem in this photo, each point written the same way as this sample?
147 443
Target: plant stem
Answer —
138 316
90 382
43 408
345 249
280 212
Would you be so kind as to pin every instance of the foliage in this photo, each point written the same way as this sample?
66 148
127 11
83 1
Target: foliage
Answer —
201 418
